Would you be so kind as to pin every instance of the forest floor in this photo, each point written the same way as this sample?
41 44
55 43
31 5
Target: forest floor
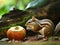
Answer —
32 43
51 41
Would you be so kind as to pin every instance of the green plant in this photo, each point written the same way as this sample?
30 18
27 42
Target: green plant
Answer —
7 5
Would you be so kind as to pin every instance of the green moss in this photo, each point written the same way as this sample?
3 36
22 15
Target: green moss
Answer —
21 23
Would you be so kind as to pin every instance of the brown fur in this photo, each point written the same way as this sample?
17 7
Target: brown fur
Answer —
45 26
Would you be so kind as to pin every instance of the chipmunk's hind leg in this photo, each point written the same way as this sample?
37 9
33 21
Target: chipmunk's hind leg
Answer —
44 33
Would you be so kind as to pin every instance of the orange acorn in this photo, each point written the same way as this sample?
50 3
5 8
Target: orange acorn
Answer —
17 33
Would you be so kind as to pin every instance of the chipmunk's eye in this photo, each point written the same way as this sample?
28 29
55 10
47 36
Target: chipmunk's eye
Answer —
29 22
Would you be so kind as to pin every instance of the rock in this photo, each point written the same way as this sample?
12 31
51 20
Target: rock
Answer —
56 38
4 39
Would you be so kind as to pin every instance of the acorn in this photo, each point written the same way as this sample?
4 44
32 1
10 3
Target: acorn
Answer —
16 33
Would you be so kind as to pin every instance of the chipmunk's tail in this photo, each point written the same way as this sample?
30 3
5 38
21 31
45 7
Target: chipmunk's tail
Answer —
57 29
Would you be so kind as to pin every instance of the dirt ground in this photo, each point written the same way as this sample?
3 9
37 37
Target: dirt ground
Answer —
51 41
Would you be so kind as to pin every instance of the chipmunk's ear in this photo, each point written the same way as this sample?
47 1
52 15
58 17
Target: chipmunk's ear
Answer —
33 18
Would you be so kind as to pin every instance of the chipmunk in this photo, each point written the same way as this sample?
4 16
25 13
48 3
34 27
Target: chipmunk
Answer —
45 27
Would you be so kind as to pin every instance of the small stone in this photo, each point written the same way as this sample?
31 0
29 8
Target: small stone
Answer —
56 38
4 39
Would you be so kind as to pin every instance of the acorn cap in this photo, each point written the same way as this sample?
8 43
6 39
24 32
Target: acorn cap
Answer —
16 28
